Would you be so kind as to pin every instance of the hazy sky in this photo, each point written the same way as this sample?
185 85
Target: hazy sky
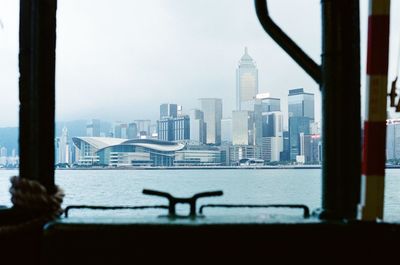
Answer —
119 60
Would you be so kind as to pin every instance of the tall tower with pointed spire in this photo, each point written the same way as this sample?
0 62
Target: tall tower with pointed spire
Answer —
246 80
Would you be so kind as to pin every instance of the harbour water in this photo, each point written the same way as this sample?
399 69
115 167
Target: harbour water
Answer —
259 186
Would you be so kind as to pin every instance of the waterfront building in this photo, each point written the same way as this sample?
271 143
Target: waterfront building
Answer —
225 154
285 154
212 109
316 149
310 149
3 156
121 152
393 139
301 115
93 128
168 111
174 129
198 156
63 156
238 152
198 129
246 80
297 125
271 148
3 151
272 124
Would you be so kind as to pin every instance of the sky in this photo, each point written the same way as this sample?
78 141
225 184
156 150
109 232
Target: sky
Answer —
119 60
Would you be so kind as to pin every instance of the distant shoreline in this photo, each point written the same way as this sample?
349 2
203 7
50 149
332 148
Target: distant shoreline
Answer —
196 168
203 167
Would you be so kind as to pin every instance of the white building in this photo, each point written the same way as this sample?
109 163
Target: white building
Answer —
63 147
226 130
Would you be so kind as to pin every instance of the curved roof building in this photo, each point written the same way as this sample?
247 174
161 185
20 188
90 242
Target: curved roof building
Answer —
123 152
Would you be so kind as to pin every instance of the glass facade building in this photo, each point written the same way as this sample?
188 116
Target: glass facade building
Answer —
174 129
197 127
246 80
242 125
212 109
168 111
93 128
393 139
301 115
301 104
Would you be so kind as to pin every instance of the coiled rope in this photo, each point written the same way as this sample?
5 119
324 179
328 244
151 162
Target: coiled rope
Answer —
31 197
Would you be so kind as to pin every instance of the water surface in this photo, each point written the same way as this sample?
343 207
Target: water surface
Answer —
124 187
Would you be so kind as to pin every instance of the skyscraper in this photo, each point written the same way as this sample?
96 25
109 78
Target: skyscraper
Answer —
132 131
272 135
301 115
120 130
393 139
301 104
63 147
242 127
143 127
226 130
197 127
168 111
272 124
269 104
212 109
246 80
174 129
93 128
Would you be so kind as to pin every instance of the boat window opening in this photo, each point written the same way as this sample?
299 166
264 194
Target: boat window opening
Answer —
156 95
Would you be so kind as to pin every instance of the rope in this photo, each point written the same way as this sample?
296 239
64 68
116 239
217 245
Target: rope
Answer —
31 197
